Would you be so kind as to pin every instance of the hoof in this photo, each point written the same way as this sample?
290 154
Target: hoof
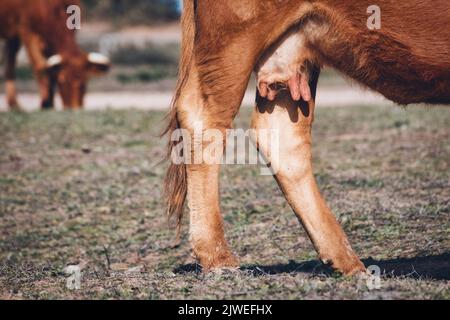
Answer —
15 107
348 267
220 263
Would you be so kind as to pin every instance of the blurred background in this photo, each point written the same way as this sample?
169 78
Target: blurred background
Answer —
142 38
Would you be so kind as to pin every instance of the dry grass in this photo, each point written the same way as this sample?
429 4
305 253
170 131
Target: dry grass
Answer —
85 189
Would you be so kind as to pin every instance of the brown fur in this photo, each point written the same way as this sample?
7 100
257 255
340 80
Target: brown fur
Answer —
360 54
407 61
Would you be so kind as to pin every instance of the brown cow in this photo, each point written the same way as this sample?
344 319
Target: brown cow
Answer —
52 49
286 42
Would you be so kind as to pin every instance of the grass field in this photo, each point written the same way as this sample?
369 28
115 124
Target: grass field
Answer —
85 189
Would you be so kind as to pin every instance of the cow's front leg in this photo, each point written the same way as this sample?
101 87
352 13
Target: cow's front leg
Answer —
11 49
46 81
293 171
47 90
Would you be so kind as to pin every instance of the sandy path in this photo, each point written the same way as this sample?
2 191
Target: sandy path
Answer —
327 97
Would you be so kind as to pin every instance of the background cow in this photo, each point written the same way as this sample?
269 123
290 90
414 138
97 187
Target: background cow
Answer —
52 49
406 60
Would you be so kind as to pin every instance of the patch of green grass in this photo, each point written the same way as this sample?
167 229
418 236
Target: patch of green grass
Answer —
150 54
148 74
24 73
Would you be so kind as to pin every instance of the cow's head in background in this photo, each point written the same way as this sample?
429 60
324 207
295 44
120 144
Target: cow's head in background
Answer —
72 72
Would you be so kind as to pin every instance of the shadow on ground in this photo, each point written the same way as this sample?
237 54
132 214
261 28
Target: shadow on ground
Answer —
428 267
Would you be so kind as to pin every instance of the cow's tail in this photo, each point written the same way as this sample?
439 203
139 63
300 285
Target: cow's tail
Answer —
175 182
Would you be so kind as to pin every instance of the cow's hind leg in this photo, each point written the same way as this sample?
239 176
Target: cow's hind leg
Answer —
11 49
204 128
293 172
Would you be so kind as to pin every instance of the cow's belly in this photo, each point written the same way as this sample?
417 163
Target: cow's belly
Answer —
283 67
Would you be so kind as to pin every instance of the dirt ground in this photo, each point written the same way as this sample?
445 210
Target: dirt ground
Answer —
84 189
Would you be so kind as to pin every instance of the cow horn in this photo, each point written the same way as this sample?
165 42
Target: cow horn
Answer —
98 58
54 61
